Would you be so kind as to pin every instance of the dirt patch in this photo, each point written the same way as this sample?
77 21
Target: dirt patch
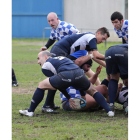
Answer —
27 62
21 90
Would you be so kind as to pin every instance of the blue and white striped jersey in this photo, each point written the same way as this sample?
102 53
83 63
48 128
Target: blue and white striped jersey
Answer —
63 29
123 33
76 42
72 92
58 64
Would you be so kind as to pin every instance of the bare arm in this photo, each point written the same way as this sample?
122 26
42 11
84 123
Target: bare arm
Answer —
81 60
98 55
95 76
99 62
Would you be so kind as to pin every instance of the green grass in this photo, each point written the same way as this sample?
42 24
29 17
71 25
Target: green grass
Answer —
63 126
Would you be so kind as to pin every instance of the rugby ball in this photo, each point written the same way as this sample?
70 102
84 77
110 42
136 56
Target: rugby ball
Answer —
80 103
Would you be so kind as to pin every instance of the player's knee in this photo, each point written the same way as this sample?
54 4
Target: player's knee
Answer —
41 85
91 91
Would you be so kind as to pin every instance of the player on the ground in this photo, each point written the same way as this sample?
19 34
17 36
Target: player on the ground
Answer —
63 73
116 58
90 101
120 26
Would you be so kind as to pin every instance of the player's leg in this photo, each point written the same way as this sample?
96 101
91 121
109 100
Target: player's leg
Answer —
112 88
84 84
49 102
90 73
99 98
37 97
14 79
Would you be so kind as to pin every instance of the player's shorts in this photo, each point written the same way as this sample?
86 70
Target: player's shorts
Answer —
123 95
66 106
75 78
58 51
116 58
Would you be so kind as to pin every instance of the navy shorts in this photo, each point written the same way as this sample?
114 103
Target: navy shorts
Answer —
116 58
58 51
75 78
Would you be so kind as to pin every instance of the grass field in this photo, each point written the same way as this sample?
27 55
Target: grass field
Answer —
63 126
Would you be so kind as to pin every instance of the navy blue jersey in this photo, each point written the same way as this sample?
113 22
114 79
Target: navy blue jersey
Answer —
55 65
121 45
116 58
76 42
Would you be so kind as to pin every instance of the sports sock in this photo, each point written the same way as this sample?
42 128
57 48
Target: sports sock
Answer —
99 98
112 90
50 98
105 82
37 98
13 75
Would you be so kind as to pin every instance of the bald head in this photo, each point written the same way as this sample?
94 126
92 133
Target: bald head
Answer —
43 56
53 20
52 14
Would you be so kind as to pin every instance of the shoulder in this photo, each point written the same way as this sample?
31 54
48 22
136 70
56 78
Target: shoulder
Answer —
126 22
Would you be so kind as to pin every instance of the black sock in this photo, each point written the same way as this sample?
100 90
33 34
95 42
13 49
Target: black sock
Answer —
37 98
50 98
13 75
105 82
99 98
112 90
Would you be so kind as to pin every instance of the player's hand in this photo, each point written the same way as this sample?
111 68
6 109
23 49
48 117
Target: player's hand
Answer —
120 85
98 70
72 103
43 49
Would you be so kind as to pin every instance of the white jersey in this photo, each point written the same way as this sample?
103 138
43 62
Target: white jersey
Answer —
123 95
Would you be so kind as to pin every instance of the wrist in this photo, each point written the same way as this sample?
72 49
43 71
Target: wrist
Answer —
91 55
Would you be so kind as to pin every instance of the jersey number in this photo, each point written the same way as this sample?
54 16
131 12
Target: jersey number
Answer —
59 57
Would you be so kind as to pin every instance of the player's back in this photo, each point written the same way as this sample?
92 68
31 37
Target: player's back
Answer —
66 43
59 64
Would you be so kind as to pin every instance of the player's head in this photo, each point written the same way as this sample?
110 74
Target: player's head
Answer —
53 20
117 20
87 65
43 56
102 34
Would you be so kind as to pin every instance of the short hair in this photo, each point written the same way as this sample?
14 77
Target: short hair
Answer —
89 62
103 31
116 15
48 53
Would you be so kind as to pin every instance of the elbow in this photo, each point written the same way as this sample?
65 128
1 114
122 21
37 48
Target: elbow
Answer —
78 62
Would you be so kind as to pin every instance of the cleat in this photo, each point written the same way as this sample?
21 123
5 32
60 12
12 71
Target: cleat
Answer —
111 106
48 109
126 111
26 113
14 83
55 107
110 114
